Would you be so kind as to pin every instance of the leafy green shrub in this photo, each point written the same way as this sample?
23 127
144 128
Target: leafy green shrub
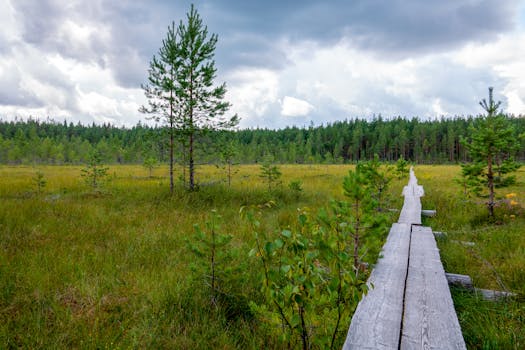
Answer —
312 273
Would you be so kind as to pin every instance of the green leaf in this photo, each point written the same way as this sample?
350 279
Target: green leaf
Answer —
285 268
278 243
303 219
269 248
286 233
295 320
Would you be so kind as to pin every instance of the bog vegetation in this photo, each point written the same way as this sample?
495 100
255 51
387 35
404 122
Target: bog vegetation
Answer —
129 265
96 252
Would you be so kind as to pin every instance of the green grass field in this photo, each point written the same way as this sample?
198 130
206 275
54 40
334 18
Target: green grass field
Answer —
112 269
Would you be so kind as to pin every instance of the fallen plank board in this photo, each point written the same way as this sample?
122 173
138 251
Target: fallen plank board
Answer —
428 213
376 323
463 281
430 321
494 295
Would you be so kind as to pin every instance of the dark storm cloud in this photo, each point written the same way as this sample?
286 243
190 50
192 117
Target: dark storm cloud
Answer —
40 20
251 33
255 34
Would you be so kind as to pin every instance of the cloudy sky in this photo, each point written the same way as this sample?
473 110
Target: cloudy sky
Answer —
285 62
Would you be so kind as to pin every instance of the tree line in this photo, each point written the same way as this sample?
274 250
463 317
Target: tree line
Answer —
421 141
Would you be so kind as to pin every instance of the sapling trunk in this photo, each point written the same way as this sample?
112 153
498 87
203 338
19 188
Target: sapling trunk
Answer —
490 178
213 287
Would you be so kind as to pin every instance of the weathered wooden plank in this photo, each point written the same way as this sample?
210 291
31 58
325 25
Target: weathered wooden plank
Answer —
376 323
494 295
428 213
430 321
463 281
411 211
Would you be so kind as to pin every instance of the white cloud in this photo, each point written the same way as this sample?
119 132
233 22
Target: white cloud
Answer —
294 107
504 58
10 27
251 93
88 65
342 81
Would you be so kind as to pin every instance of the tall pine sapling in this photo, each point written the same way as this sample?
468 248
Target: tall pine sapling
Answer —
181 91
358 209
202 101
492 145
161 91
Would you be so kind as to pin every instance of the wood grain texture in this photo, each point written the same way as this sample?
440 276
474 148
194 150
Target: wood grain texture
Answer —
411 211
376 323
409 306
428 213
463 281
430 321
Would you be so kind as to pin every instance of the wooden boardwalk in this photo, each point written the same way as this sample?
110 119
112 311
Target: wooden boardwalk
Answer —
409 305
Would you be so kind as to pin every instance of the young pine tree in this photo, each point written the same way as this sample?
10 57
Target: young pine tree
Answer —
181 89
491 146
40 181
228 153
270 172
161 91
212 245
94 172
376 177
150 163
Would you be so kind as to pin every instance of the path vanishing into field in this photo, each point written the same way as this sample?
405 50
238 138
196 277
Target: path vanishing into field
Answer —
409 305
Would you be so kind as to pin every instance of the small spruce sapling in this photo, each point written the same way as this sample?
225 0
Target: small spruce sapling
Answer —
95 172
376 178
296 186
469 180
402 168
212 245
150 163
270 172
39 181
228 154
